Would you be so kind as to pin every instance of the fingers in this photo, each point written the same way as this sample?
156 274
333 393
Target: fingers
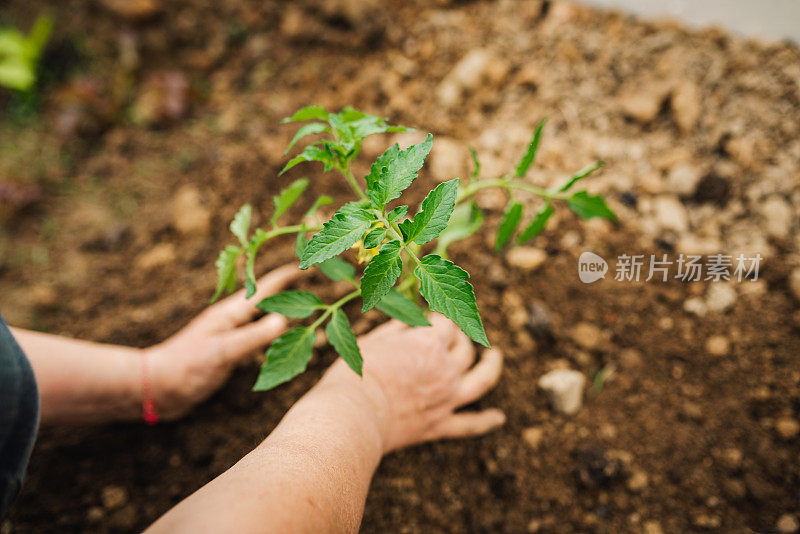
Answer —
443 328
388 327
466 424
237 309
462 352
481 378
241 341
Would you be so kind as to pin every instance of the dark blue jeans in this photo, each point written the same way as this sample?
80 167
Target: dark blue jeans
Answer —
19 416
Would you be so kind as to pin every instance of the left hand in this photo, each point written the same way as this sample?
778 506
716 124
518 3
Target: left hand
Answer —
189 366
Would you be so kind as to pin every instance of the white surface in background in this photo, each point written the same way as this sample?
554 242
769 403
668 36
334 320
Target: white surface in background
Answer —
765 19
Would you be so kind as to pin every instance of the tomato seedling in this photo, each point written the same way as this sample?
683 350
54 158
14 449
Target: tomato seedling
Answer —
405 256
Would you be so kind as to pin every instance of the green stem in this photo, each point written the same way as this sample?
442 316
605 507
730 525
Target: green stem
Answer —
510 184
352 181
335 306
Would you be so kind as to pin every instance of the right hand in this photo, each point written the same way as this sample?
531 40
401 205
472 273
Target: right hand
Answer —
417 377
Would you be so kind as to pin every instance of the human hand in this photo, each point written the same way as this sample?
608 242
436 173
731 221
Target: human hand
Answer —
415 379
189 366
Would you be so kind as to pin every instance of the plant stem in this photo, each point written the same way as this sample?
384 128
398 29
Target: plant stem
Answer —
352 181
510 184
335 306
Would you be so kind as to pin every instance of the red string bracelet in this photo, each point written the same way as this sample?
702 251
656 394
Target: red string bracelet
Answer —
149 412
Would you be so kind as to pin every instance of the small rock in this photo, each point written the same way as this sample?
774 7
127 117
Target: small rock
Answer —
114 497
670 214
731 458
683 179
686 104
514 309
734 488
693 244
707 521
742 150
652 527
133 10
95 514
644 103
778 217
564 389
713 189
787 427
794 283
189 216
720 297
638 481
787 524
534 525
43 296
465 76
533 436
541 320
718 345
163 98
630 358
527 258
692 411
158 256
696 306
448 159
586 335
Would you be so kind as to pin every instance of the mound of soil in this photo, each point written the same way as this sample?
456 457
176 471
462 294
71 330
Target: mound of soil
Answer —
699 131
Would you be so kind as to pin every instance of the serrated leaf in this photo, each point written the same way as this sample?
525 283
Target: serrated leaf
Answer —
395 170
398 306
310 153
396 214
293 304
587 206
226 270
465 221
307 113
240 226
336 236
444 285
284 200
537 224
530 154
322 200
476 164
381 274
307 129
580 175
259 236
337 269
434 215
510 221
287 357
374 237
344 341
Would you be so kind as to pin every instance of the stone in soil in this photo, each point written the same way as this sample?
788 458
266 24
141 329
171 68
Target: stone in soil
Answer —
787 427
527 258
720 297
564 389
158 256
683 179
686 105
586 335
533 436
777 216
189 216
114 497
670 214
787 524
718 345
465 76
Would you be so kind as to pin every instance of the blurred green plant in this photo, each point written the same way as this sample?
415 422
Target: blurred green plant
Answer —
20 54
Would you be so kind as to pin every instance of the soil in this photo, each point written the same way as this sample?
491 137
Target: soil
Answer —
677 440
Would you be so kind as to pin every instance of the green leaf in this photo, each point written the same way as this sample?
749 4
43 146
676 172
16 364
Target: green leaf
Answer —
374 237
284 200
444 285
434 215
240 226
580 175
336 236
226 270
396 214
476 164
300 242
293 304
398 306
343 340
287 357
307 129
40 34
258 239
16 74
323 200
337 269
310 153
510 221
308 113
537 224
395 170
465 221
587 206
381 274
530 154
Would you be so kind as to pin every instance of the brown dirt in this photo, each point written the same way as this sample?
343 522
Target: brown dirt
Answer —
701 428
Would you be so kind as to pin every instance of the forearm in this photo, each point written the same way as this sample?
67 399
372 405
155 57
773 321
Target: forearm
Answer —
311 474
81 381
